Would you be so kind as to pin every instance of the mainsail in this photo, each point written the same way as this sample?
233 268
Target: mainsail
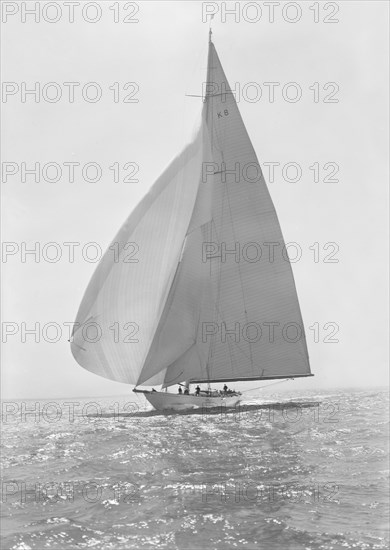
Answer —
202 300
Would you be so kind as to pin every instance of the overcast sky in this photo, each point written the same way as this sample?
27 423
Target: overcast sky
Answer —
165 55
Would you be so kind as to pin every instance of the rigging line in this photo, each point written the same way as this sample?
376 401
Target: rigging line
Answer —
267 386
76 329
218 297
230 346
172 381
219 264
236 343
219 273
223 202
233 360
165 310
239 270
210 106
210 125
249 358
204 229
207 233
212 222
215 144
209 230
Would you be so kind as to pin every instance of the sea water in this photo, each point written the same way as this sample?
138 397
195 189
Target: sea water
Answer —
283 470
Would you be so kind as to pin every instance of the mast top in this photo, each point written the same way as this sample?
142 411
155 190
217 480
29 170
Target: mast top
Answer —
210 31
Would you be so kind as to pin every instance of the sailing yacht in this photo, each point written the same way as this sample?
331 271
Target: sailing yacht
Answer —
196 304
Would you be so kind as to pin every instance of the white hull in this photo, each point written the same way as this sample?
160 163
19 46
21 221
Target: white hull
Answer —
163 401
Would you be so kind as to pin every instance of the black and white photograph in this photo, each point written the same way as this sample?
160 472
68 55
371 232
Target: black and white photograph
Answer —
194 268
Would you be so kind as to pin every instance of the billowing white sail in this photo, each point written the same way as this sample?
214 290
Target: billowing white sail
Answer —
208 307
123 303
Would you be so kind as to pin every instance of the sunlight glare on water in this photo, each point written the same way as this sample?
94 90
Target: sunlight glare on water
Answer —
306 470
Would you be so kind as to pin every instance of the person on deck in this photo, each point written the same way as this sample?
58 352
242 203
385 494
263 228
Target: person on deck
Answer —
186 392
197 390
225 388
180 391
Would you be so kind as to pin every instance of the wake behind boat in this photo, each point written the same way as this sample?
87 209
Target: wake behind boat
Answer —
187 299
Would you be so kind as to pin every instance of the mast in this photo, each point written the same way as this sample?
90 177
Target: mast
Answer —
218 174
209 105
